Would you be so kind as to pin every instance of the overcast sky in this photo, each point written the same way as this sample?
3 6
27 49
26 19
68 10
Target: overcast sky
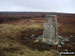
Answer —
67 6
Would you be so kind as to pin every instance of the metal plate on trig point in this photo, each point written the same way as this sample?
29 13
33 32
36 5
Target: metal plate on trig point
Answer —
50 34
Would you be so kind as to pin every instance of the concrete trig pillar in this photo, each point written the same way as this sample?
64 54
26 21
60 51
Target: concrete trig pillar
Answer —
50 33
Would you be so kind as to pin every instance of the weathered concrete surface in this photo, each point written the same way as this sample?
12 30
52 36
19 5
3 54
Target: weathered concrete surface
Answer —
50 34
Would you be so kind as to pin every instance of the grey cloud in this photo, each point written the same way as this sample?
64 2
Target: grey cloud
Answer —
67 6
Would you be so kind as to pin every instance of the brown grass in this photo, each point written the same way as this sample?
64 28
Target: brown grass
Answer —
15 40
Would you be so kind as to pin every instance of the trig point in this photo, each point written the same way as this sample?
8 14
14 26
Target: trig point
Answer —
50 33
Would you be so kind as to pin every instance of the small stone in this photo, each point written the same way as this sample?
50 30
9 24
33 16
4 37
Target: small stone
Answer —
71 35
62 43
37 40
66 50
60 37
32 35
44 40
59 46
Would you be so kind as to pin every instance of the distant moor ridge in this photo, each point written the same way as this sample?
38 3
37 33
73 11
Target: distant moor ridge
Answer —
10 16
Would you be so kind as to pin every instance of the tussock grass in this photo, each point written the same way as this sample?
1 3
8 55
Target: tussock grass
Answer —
15 40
